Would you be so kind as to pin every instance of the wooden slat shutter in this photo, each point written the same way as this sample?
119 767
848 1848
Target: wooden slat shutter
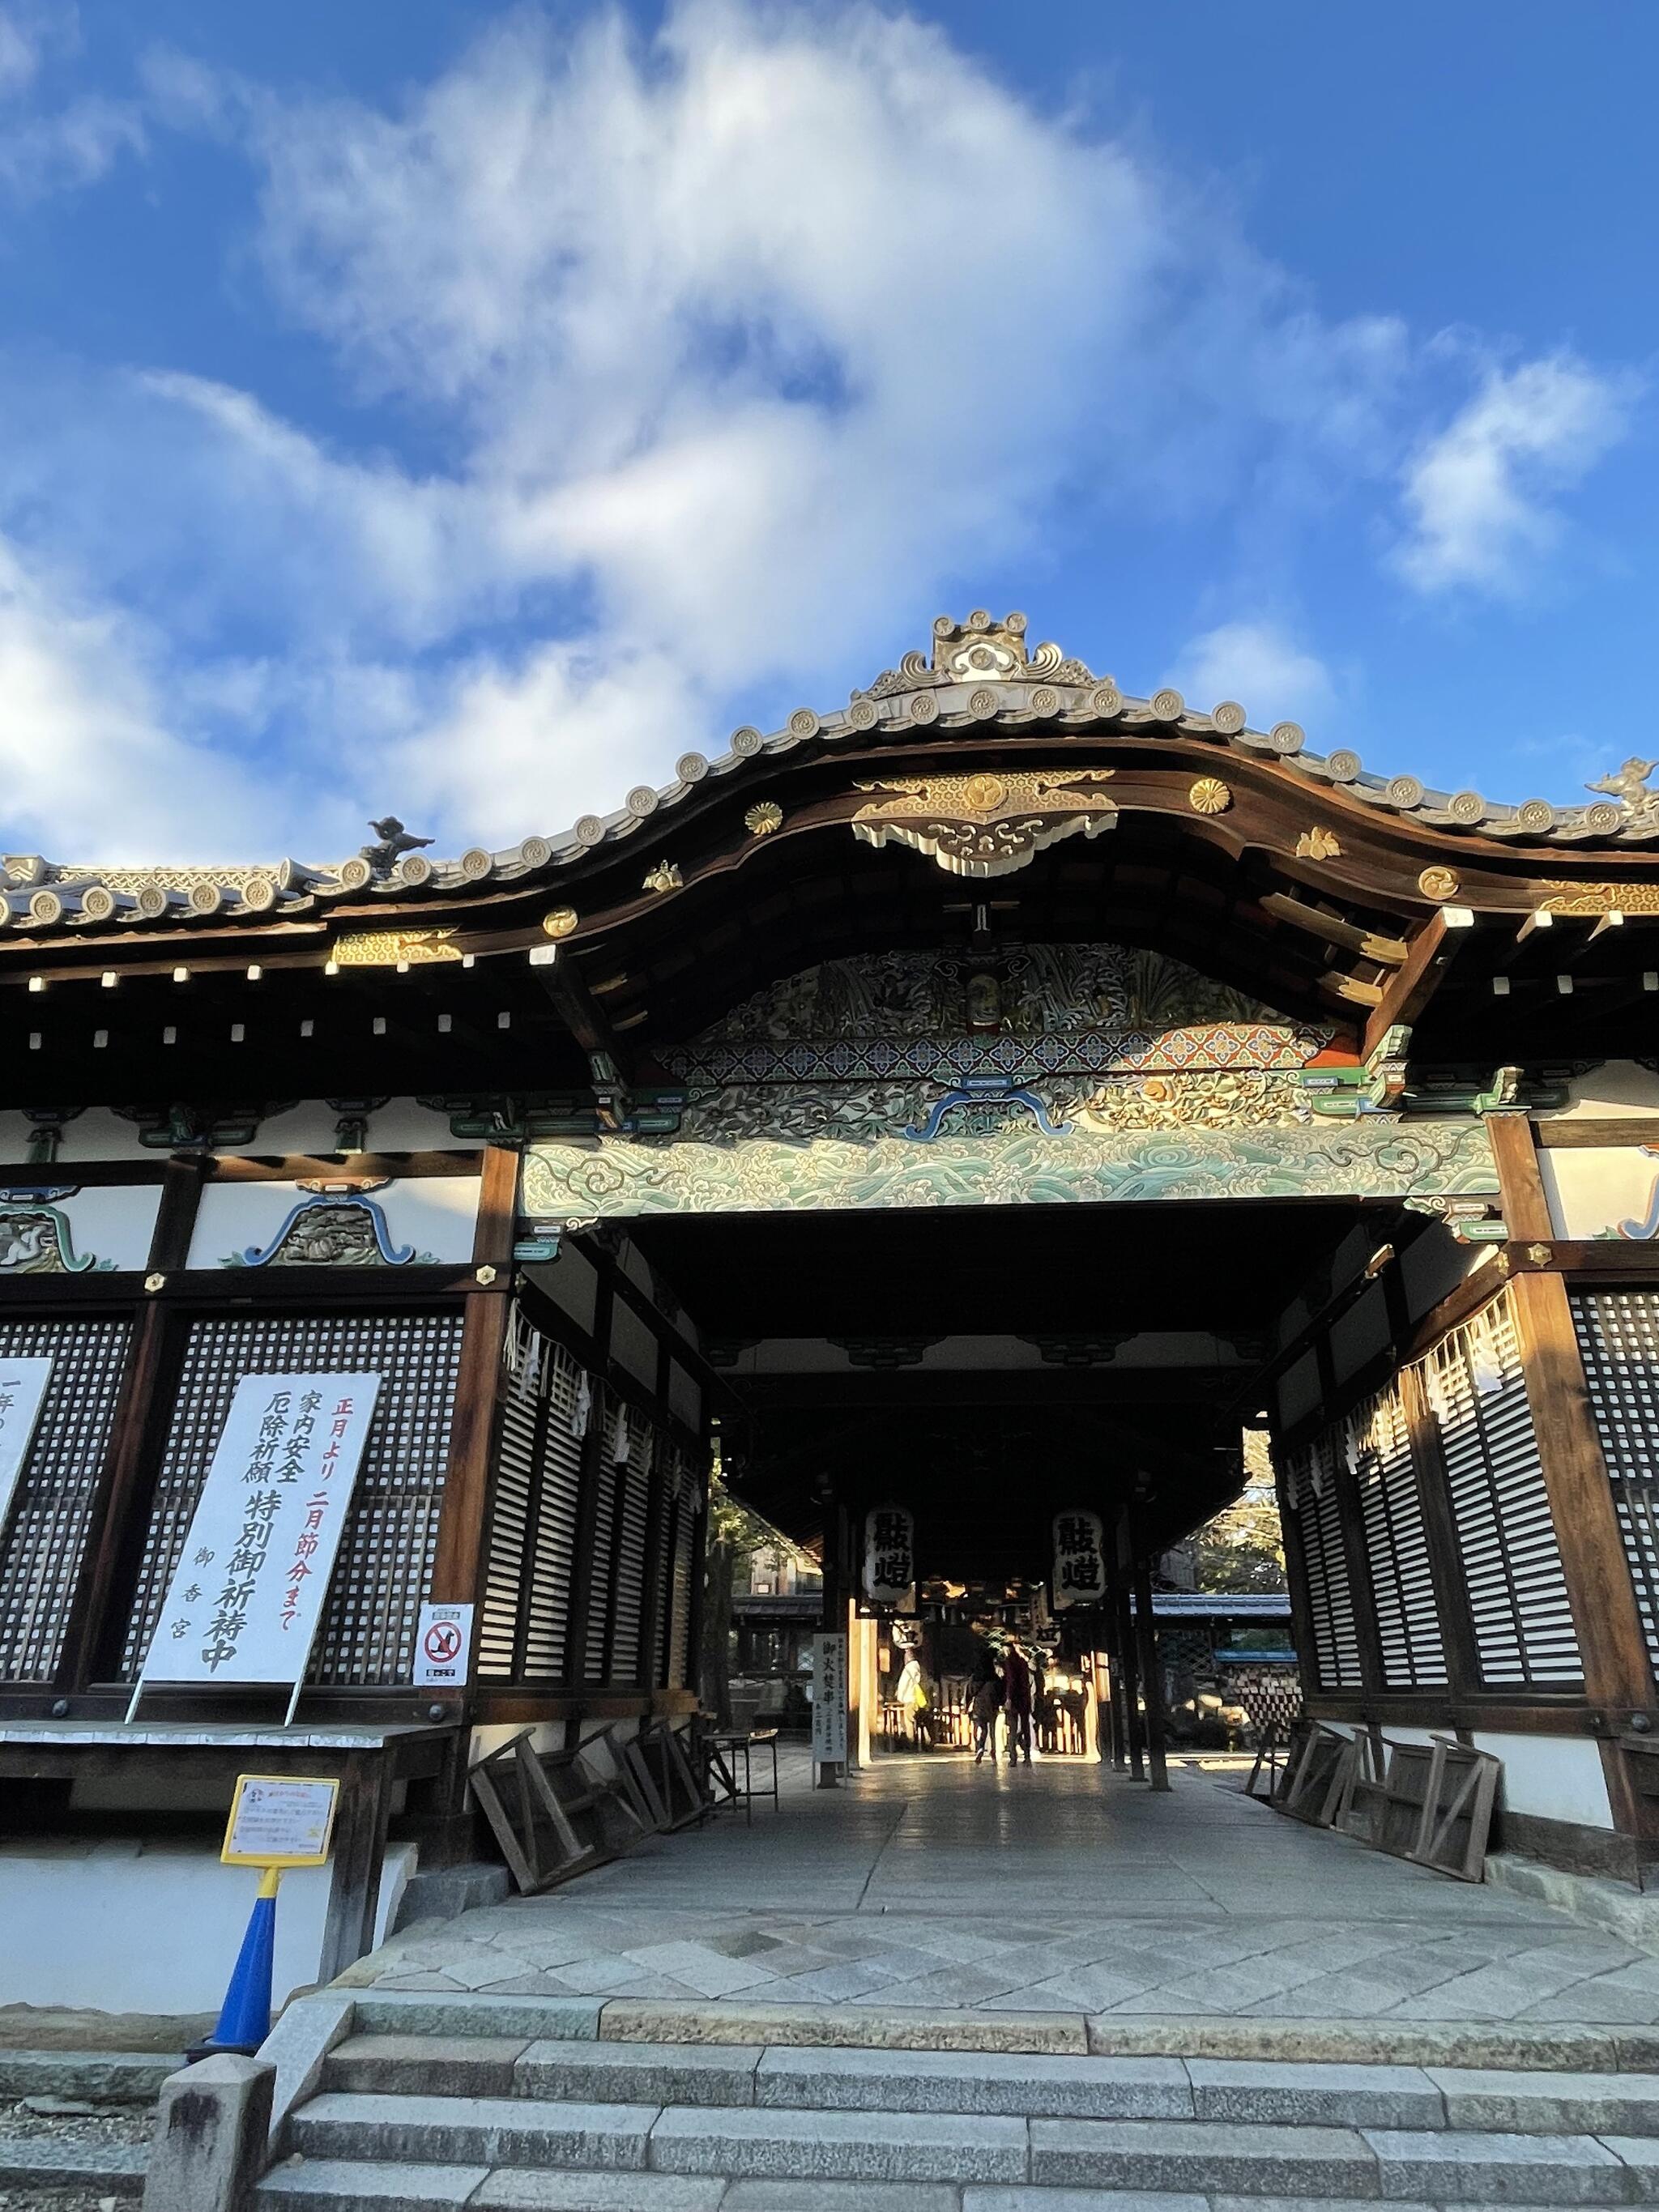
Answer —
644 1444
1311 1493
552 1562
1511 1562
1377 1441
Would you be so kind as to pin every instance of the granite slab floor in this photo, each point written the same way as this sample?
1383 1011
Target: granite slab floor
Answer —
1058 1888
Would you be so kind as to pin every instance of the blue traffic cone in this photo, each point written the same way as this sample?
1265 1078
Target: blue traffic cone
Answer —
244 2017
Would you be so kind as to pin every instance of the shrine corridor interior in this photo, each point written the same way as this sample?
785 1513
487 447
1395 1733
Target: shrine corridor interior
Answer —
992 1367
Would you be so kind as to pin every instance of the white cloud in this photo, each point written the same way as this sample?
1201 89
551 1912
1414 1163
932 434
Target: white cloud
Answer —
89 769
1256 664
60 151
731 354
1479 493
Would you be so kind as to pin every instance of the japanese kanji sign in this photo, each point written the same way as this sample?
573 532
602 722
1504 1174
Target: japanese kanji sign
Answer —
890 1567
281 1820
22 1388
829 1699
244 1598
1079 1560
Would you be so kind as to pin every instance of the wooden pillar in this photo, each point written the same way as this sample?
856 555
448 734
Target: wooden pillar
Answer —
463 1515
1119 1569
118 1522
360 1830
1152 1675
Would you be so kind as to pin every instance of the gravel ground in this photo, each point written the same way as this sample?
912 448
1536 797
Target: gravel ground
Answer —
107 2123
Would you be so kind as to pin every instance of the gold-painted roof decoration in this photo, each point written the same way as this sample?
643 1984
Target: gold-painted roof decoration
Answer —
981 678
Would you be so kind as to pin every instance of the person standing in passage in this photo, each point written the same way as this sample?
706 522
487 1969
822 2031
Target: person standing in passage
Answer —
1017 1704
985 1689
911 1696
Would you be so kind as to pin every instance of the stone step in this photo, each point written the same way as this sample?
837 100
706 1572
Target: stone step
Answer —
111 2077
41 2162
1268 2093
471 2132
351 2186
819 2146
1440 2165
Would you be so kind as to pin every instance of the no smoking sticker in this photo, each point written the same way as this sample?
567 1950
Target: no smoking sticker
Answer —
441 1642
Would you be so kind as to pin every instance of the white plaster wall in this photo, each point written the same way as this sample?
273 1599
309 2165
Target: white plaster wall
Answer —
1599 1186
1618 1086
101 1134
1556 1778
126 1926
434 1213
400 1126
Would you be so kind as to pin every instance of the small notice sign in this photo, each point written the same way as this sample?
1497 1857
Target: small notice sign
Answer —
442 1644
829 1699
281 1821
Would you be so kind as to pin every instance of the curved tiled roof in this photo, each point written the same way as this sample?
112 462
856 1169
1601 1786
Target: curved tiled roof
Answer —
980 676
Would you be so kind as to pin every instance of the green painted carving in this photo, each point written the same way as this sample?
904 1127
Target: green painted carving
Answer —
616 1177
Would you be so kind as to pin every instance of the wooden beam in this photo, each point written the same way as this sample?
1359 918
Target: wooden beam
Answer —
1411 986
1388 951
581 1013
1554 1136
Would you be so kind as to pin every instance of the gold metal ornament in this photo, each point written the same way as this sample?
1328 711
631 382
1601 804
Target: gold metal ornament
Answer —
1209 795
664 877
1318 844
561 922
760 820
1438 883
394 948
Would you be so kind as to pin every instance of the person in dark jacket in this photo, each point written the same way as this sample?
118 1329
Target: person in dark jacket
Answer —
1017 1704
985 1703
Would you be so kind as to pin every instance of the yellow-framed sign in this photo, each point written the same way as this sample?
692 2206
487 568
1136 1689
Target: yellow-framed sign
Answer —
281 1821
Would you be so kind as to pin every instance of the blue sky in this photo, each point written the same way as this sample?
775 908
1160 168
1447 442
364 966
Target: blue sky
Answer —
466 409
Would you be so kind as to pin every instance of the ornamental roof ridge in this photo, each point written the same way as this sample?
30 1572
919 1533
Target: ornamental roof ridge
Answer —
981 674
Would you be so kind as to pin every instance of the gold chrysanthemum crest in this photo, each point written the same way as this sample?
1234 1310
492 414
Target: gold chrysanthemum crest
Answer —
760 820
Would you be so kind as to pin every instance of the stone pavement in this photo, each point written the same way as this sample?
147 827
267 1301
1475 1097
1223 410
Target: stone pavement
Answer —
1061 1887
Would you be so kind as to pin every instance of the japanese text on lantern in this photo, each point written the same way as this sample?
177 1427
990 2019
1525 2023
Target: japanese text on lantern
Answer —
1079 1560
888 1555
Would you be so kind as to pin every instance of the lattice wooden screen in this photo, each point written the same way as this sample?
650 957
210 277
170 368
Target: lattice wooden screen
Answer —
1523 1628
1311 1493
43 1541
385 1564
524 1619
1378 1441
1619 1337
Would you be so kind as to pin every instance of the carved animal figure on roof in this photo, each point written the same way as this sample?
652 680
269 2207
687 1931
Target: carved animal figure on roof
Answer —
394 841
1629 784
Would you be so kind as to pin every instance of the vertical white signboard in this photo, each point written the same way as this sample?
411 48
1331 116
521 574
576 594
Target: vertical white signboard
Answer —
248 1592
22 1392
830 1700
